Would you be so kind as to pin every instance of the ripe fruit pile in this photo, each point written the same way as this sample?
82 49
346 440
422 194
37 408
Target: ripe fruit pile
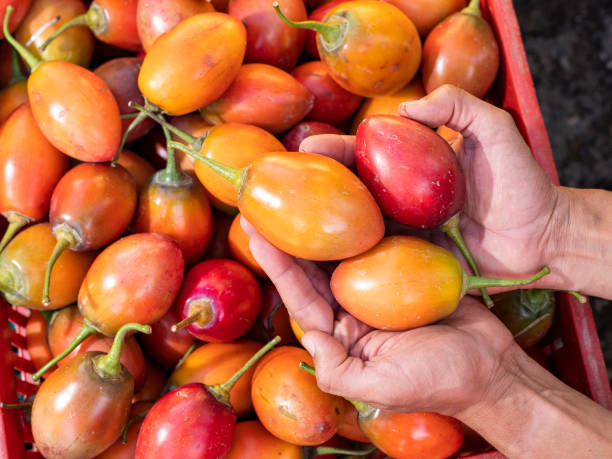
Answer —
218 96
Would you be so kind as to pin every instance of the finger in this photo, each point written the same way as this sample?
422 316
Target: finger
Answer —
337 372
309 309
319 279
348 330
339 147
453 107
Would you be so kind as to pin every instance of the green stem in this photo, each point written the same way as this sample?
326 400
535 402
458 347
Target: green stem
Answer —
171 174
94 18
132 420
480 282
362 407
32 61
191 140
270 317
66 238
187 320
16 222
47 315
138 118
473 8
109 365
451 228
16 66
328 32
580 297
86 331
222 391
169 386
129 116
321 450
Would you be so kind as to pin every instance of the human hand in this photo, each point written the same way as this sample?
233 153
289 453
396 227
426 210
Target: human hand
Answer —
509 217
446 367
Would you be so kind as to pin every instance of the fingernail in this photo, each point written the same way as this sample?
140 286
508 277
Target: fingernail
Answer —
410 103
246 226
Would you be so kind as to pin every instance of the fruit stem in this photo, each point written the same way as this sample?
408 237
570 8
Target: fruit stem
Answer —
270 317
132 420
580 297
222 391
32 61
362 407
138 118
109 365
168 386
16 406
16 222
171 174
473 8
16 66
451 228
232 175
188 320
94 18
66 238
479 282
86 330
329 33
191 140
322 450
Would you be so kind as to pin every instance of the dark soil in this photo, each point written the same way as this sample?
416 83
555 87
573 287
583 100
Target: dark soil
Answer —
569 48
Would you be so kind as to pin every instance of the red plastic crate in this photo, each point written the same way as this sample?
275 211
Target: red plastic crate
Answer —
575 357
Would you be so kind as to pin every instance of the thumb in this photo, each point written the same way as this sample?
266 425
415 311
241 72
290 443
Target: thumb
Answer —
455 108
337 372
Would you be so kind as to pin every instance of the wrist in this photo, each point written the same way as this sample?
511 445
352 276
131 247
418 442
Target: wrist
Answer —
579 241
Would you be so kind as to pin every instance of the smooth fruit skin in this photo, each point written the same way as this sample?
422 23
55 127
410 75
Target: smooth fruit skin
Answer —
97 201
288 401
77 413
163 345
380 52
421 435
332 104
153 385
310 206
75 110
349 426
461 51
121 76
138 167
121 30
252 440
402 283
219 247
12 97
120 450
215 363
36 339
231 294
388 104
30 167
235 145
269 39
20 8
24 261
75 45
412 172
156 17
292 139
188 422
426 14
238 242
178 210
264 96
135 279
67 324
186 69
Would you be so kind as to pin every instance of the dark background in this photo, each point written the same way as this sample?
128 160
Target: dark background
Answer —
569 48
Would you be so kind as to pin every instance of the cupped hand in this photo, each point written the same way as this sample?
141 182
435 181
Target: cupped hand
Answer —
446 367
508 221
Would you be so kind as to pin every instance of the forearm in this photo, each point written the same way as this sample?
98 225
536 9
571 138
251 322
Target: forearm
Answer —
581 241
529 413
